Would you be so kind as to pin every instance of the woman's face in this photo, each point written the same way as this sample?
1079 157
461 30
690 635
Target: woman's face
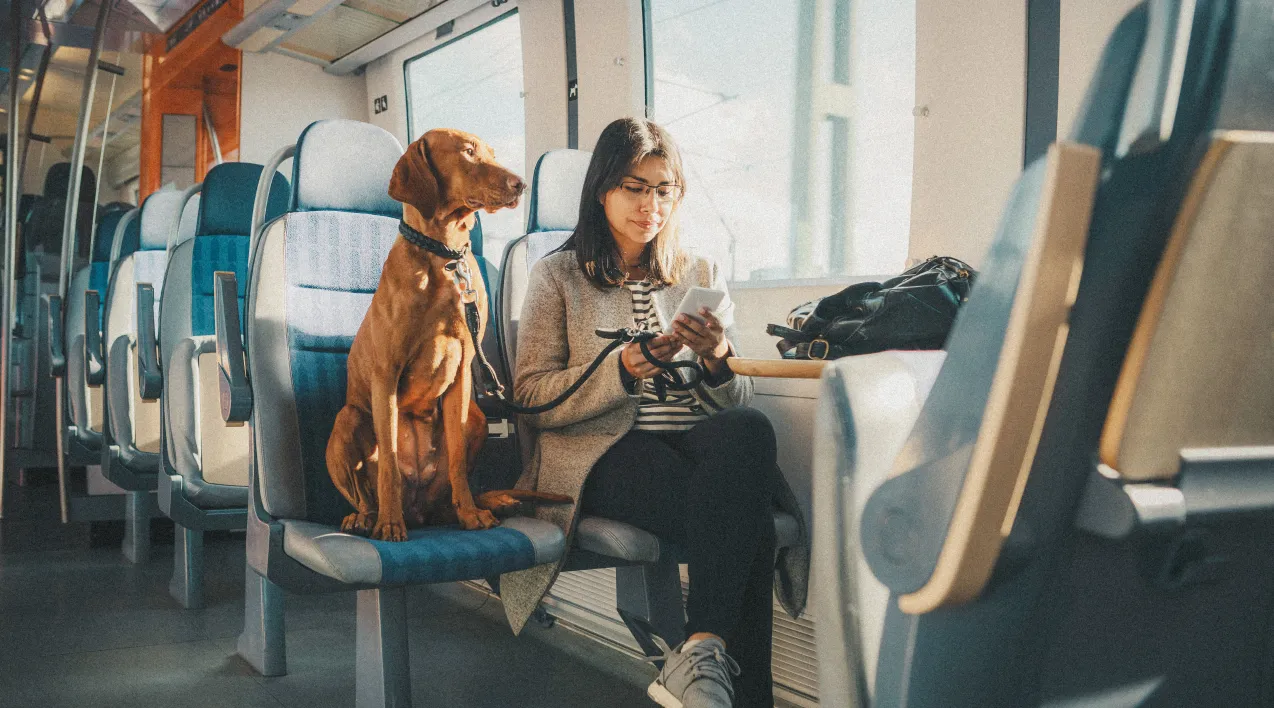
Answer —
640 206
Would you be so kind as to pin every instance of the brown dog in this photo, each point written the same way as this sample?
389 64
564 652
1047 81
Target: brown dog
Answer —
409 408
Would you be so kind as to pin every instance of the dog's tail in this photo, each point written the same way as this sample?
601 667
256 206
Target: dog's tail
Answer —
508 500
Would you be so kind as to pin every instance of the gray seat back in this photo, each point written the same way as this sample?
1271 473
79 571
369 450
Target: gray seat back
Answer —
131 420
554 208
311 278
199 446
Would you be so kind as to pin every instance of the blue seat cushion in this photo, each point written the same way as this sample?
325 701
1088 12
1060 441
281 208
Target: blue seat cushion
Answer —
211 254
429 555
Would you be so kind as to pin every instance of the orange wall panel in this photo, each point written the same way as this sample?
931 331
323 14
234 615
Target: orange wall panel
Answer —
199 70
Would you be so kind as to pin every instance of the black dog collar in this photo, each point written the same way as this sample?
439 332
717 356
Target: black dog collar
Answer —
434 246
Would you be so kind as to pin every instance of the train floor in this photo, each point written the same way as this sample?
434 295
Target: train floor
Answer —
82 627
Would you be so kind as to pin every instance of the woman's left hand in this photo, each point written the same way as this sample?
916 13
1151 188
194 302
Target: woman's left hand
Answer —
706 338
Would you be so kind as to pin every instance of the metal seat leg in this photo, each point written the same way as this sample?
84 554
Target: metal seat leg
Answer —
187 583
383 674
137 526
263 643
649 601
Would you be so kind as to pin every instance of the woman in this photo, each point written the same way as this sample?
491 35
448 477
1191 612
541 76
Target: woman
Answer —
697 469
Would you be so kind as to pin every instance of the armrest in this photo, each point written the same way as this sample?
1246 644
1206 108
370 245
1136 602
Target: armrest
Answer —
57 347
236 392
150 380
94 360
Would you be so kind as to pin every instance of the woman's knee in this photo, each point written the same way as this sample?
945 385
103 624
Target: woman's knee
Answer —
745 430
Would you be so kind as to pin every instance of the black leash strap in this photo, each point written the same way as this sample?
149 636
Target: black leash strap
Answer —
456 265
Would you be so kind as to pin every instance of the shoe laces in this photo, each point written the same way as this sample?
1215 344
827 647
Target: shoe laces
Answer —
706 662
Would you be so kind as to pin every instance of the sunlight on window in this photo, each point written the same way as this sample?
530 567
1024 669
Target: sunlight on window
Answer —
794 121
474 84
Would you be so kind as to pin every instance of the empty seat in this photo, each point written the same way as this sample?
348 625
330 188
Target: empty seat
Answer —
310 281
979 546
205 462
130 453
648 580
85 403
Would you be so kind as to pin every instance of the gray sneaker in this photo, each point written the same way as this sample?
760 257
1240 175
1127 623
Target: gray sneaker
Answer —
695 676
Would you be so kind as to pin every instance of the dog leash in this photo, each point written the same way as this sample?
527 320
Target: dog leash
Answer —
460 272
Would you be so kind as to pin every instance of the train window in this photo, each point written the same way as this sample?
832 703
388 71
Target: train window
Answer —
474 83
796 129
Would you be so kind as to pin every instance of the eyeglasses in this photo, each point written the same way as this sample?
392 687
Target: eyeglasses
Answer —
639 191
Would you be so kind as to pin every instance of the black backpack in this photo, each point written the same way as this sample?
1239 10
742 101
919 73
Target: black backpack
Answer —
914 310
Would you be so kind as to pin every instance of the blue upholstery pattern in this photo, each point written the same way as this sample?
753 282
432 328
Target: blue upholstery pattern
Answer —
345 165
439 555
211 254
333 261
132 238
229 190
221 237
106 234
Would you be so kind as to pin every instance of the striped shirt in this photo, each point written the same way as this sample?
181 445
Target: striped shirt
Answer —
680 410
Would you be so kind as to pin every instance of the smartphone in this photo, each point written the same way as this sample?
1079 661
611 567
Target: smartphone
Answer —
700 297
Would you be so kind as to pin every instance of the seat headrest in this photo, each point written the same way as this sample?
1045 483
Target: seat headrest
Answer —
58 179
555 190
159 213
228 192
106 226
132 236
189 218
345 165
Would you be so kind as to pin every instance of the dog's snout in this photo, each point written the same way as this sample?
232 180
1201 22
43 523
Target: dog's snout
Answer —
516 184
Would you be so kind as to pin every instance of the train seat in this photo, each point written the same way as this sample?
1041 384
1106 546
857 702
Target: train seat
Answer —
130 453
310 281
84 404
32 392
204 478
648 580
1071 503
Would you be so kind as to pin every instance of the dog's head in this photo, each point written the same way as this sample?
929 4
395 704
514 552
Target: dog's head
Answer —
447 175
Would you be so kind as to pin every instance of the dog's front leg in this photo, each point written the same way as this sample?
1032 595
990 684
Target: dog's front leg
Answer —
455 421
389 481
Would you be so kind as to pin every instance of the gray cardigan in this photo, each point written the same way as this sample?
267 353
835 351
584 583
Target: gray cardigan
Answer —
555 343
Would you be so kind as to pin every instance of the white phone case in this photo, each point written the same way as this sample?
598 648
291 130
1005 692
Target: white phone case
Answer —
698 297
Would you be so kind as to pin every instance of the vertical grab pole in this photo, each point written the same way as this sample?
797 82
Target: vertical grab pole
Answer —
69 232
11 189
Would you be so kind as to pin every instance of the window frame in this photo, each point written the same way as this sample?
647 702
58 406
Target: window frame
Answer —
449 41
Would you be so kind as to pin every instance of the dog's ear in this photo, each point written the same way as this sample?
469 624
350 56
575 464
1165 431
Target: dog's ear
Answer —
414 181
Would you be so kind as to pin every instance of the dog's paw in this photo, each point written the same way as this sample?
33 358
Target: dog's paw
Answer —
359 524
474 519
390 531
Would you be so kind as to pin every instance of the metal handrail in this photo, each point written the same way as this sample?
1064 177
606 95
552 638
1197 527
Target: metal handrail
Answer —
262 200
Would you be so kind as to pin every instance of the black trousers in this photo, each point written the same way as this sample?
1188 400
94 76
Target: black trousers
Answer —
707 490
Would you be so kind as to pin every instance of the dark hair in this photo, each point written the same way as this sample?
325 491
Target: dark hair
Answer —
622 145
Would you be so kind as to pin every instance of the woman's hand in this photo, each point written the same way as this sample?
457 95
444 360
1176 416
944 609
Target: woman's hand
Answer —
706 338
664 348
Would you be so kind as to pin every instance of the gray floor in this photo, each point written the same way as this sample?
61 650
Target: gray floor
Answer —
80 626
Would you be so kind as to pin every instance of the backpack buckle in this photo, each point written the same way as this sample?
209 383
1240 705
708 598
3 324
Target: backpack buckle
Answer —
819 349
